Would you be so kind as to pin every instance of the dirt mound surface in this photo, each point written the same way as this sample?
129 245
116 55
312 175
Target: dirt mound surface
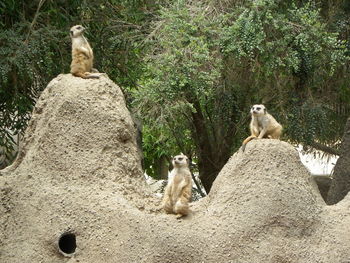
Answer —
77 193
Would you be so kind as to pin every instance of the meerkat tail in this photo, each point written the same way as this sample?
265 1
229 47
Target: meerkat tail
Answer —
181 207
244 144
86 75
92 76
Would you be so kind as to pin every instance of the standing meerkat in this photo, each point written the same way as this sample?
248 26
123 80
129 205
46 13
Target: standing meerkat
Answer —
262 125
178 190
82 55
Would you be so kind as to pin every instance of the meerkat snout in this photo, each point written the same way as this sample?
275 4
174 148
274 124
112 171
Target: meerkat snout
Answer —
258 109
180 160
77 31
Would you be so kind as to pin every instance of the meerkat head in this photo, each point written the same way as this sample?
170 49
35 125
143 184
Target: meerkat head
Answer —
180 161
258 109
76 31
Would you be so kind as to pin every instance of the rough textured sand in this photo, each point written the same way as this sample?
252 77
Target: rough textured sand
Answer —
79 172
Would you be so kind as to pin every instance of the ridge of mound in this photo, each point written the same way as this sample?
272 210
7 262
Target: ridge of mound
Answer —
77 193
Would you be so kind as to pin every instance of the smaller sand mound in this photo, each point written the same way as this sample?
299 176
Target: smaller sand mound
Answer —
270 179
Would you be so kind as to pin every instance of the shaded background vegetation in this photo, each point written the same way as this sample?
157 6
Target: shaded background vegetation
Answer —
190 70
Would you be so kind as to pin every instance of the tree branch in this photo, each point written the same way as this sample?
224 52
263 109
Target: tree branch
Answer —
325 148
199 189
34 20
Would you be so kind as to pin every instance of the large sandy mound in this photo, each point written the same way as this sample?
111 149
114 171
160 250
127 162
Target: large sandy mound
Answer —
79 173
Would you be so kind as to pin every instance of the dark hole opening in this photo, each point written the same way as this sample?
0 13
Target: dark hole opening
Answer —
67 243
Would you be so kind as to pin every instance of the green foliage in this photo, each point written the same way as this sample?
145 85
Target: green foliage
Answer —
189 69
25 69
29 59
291 41
183 66
159 141
311 123
288 48
280 53
116 29
35 48
186 54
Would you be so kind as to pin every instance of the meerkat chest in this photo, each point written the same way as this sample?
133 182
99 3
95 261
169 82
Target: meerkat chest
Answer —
176 176
79 43
261 122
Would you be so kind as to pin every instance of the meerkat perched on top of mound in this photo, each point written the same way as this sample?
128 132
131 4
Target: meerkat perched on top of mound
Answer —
82 55
178 190
262 125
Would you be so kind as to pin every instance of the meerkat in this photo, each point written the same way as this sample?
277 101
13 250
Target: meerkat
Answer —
178 190
262 125
82 55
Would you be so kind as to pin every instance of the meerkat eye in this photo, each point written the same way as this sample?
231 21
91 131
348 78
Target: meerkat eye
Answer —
181 158
258 108
79 27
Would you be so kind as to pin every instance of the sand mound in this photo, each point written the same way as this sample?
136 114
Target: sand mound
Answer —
79 175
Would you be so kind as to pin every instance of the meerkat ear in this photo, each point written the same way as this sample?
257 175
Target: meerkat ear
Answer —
264 110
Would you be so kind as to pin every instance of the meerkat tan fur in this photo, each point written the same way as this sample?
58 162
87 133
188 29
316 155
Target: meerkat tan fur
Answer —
178 190
82 55
262 125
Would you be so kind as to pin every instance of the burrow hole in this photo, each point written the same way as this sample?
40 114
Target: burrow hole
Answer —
67 244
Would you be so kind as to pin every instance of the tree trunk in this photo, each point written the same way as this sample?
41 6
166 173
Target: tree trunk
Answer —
341 179
161 168
209 162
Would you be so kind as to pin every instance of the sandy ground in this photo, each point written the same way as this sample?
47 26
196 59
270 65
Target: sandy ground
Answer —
79 172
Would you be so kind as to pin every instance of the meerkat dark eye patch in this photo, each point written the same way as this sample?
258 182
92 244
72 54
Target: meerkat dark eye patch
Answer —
180 159
258 108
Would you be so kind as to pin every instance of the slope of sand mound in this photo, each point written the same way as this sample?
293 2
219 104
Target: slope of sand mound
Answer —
76 193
